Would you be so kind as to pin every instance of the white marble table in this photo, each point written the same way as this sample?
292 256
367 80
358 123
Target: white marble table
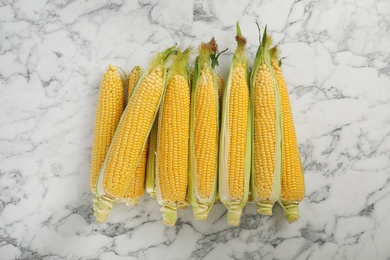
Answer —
52 56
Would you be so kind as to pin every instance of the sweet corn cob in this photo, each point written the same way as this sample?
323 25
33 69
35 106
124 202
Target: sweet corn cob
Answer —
266 177
235 142
130 137
203 133
172 145
134 75
293 184
137 183
108 114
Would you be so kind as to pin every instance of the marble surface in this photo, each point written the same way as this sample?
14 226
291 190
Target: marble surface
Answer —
52 56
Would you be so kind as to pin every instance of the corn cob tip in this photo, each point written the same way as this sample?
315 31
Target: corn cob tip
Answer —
111 67
102 208
136 69
162 58
234 216
265 208
180 66
292 211
169 215
241 41
267 42
275 55
263 52
274 51
210 46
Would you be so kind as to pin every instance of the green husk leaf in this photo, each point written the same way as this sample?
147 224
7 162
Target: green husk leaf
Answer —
169 215
214 58
150 164
180 65
291 210
102 207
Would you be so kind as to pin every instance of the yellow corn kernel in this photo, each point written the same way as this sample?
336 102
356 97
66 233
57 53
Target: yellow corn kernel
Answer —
132 133
108 114
238 124
133 78
206 133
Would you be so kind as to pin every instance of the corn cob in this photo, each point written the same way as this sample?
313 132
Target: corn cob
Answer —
293 185
134 76
130 137
108 114
266 177
235 142
172 144
203 133
137 183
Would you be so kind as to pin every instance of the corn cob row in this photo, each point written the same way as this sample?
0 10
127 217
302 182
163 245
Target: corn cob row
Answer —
172 141
203 133
130 137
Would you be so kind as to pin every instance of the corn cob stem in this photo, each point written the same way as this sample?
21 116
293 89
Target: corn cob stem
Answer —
102 206
291 210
